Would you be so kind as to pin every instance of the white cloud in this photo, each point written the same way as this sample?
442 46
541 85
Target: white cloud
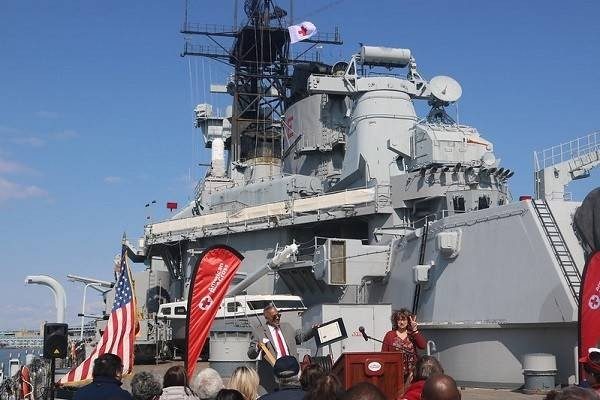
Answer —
65 135
8 130
46 114
12 167
11 190
20 137
15 316
29 141
113 179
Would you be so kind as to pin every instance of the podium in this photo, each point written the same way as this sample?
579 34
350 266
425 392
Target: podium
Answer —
383 369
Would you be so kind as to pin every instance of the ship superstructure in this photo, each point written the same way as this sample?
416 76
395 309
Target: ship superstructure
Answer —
384 205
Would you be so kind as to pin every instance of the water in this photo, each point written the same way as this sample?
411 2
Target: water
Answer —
6 354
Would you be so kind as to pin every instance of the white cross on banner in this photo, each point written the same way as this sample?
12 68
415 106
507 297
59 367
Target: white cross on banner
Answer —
301 32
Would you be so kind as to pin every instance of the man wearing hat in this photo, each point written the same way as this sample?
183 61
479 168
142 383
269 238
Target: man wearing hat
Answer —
278 339
285 371
591 366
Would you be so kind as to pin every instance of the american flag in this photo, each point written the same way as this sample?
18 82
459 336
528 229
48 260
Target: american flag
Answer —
118 336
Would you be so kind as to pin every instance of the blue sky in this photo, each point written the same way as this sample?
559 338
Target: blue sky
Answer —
96 120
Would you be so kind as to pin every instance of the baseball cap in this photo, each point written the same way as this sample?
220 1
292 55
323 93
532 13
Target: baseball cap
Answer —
286 367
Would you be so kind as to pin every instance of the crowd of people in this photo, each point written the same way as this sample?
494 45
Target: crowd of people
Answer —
424 377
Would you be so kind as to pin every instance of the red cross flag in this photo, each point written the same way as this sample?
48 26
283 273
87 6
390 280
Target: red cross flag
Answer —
301 32
589 307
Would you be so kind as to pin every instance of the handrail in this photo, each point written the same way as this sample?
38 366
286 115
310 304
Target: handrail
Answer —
566 151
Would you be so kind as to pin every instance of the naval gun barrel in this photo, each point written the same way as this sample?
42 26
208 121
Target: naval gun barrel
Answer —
60 298
275 262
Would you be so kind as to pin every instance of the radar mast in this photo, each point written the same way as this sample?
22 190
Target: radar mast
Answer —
260 58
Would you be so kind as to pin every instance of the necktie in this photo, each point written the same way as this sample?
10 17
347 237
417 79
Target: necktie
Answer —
280 342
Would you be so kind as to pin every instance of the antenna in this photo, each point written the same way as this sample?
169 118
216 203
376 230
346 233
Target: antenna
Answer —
445 89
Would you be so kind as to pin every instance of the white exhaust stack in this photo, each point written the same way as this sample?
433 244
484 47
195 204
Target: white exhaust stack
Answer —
218 157
60 298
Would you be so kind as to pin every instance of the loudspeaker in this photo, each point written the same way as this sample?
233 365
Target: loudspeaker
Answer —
55 340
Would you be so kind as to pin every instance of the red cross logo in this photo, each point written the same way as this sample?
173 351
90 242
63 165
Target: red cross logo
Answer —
594 302
289 131
205 303
302 31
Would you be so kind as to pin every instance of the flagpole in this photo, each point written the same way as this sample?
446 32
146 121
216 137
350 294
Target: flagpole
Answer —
52 372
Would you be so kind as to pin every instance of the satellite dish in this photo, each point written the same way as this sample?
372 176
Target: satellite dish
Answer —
445 88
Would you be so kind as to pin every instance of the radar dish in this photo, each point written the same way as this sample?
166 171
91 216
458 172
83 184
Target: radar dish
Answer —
445 88
339 68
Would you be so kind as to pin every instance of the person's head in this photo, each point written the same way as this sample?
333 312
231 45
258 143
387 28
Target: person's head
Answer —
229 394
327 387
144 386
426 367
286 371
245 380
310 375
440 387
551 395
400 318
272 315
591 365
108 365
207 383
364 391
175 376
576 393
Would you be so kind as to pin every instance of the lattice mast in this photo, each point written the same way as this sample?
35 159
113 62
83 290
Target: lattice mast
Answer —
260 58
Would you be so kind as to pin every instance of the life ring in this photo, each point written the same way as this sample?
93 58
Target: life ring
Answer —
25 382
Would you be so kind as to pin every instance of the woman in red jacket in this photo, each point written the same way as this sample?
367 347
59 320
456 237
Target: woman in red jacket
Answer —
427 366
405 337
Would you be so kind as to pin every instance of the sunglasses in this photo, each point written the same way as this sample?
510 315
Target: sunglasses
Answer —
277 316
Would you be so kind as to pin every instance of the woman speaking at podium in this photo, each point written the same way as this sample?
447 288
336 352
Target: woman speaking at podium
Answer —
405 337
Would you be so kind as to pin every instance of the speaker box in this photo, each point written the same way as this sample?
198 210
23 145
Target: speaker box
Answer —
55 340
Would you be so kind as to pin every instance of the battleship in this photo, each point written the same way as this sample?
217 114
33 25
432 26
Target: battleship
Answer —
384 208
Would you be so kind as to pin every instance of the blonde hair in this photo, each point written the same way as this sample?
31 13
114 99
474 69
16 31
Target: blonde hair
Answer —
245 380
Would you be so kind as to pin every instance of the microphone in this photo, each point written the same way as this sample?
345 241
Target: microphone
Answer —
361 329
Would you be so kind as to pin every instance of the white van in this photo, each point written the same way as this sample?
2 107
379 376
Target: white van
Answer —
238 306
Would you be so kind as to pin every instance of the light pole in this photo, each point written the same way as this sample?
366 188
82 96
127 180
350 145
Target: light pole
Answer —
83 306
94 284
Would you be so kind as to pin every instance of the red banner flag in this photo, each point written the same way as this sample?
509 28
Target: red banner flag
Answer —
589 306
211 279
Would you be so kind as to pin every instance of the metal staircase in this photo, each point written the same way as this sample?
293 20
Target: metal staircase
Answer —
559 247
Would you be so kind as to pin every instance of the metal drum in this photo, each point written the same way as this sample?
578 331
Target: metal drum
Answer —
539 371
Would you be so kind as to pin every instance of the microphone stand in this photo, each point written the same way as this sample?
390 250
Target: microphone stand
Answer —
400 349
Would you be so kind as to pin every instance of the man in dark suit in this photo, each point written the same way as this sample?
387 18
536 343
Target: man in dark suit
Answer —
273 341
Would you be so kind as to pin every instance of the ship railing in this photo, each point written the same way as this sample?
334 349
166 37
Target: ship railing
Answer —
306 250
195 49
566 151
419 223
213 29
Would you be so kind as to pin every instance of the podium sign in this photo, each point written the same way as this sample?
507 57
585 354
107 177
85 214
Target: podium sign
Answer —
383 369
